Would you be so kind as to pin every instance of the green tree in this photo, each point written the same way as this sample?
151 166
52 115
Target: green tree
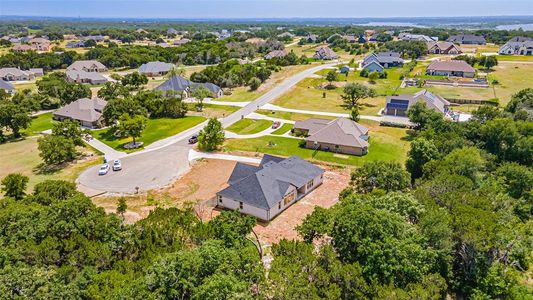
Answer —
423 116
122 207
134 80
14 185
211 136
56 149
254 83
387 176
131 126
200 93
422 151
331 76
373 76
69 129
14 118
353 92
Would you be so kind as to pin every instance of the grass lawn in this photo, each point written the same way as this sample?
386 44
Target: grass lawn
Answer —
213 111
23 157
249 126
515 58
386 144
283 129
156 129
39 123
241 94
290 116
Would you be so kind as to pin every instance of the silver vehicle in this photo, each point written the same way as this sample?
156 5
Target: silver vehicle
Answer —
117 165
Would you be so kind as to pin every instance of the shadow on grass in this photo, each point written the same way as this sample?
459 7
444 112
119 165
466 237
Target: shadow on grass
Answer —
411 135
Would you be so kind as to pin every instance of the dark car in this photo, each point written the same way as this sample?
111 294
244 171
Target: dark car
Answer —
193 139
276 124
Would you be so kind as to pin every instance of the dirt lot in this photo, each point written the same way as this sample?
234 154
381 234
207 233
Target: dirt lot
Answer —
208 177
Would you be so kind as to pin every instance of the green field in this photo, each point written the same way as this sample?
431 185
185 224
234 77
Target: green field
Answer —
39 123
241 94
290 116
23 157
283 129
249 126
156 129
386 144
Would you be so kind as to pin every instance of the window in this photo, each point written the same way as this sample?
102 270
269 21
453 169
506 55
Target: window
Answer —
241 205
219 199
288 198
279 205
310 184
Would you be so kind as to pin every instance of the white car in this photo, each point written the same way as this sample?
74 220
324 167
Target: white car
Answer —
103 169
117 165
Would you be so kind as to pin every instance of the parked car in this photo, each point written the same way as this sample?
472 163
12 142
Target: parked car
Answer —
103 169
276 124
117 165
193 139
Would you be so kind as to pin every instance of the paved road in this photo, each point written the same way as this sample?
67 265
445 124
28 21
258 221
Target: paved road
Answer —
162 162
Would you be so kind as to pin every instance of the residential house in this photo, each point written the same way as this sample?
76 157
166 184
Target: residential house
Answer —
179 85
181 42
69 37
443 48
340 135
7 86
140 30
361 39
467 39
349 38
334 37
450 68
88 112
404 36
276 54
325 53
172 31
16 74
155 68
85 77
87 66
517 46
378 61
398 105
22 48
75 44
96 38
312 38
255 41
40 44
344 69
286 34
266 190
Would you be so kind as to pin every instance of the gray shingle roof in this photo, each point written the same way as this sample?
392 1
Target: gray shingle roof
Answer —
83 75
451 65
155 67
466 38
178 84
84 109
4 85
86 64
341 131
267 186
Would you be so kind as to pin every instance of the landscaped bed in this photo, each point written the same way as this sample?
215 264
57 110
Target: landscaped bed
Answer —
249 126
283 129
156 129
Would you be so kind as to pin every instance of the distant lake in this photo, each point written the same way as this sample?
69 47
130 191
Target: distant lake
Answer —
525 27
397 24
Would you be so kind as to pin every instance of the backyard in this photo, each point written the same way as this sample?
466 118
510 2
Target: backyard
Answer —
156 129
38 124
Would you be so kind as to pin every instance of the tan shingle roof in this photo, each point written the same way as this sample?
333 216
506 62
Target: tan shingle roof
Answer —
451 65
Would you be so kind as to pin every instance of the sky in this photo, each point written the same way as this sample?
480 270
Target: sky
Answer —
263 8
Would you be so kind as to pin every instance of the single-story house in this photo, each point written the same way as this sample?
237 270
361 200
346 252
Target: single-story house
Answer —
385 60
16 74
312 38
276 54
22 48
75 44
266 190
325 53
285 35
96 38
517 46
155 68
7 86
443 48
172 31
467 39
87 66
398 105
256 41
179 85
180 42
86 111
85 77
350 38
340 135
40 44
450 68
404 36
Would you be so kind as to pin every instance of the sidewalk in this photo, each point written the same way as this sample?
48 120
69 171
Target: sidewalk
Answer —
109 153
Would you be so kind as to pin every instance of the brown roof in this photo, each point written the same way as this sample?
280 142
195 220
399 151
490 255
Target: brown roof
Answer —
340 131
451 65
442 45
276 53
84 109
